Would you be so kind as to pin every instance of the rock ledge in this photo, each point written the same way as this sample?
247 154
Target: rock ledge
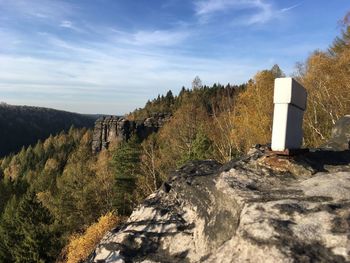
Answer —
259 208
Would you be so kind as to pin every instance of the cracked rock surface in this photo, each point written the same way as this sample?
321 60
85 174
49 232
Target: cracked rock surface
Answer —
261 208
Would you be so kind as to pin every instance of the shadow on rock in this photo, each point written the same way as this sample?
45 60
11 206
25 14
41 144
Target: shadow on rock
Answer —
319 159
143 238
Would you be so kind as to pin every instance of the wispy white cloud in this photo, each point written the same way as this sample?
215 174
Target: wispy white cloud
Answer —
264 14
155 38
40 9
290 8
257 11
66 24
70 25
206 7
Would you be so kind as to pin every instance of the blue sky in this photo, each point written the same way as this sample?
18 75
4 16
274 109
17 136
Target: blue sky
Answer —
111 56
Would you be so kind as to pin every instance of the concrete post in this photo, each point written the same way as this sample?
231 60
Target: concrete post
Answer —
289 105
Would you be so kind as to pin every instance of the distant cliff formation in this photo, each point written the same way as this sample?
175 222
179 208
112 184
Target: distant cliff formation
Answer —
114 128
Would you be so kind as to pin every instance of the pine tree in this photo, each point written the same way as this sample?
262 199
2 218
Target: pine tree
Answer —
26 233
36 242
169 99
6 191
126 161
277 72
8 231
201 148
182 92
73 204
343 42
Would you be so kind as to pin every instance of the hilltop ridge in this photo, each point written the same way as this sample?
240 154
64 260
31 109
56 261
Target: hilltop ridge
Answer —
21 126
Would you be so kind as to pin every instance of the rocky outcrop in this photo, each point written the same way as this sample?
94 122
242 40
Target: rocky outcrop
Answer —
340 135
260 208
114 128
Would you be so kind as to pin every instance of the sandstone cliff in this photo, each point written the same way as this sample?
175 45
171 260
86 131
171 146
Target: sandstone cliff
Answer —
114 128
260 208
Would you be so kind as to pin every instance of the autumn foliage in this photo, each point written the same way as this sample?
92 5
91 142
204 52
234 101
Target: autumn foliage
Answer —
253 113
81 246
327 81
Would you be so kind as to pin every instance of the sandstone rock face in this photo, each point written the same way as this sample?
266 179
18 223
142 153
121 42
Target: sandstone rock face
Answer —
340 135
261 208
113 128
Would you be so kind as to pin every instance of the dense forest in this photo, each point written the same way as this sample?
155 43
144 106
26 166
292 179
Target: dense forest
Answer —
58 199
24 125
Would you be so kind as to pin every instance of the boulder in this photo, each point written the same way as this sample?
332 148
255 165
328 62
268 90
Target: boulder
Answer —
340 139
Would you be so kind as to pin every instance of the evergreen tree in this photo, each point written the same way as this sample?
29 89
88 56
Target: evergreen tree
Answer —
277 72
8 231
126 161
37 242
73 204
201 148
26 233
6 191
343 42
169 98
182 92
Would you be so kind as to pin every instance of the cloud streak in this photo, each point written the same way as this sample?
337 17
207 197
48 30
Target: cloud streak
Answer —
245 12
45 10
290 8
153 38
262 10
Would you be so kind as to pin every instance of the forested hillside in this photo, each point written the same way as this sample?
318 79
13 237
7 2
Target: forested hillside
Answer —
58 199
24 125
210 97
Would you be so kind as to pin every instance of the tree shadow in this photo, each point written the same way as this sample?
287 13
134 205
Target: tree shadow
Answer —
143 238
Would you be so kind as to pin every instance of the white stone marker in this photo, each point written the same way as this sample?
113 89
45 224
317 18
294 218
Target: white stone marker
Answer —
289 105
